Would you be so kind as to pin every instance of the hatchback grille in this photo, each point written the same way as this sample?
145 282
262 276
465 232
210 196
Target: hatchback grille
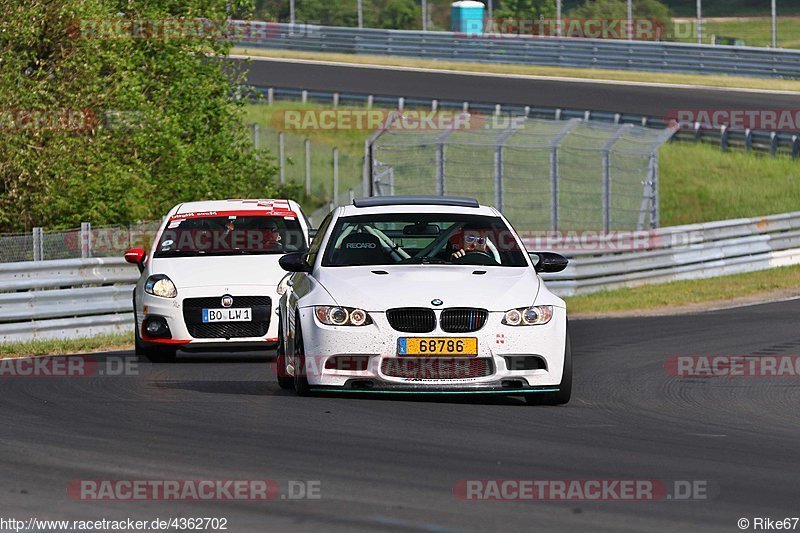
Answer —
412 319
437 368
193 316
228 330
463 319
215 302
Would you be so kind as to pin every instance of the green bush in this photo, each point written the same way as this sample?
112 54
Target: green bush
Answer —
162 121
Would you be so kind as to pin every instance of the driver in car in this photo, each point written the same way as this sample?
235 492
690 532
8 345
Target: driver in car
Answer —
468 241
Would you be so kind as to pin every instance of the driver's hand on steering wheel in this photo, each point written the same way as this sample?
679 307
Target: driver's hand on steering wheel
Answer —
458 254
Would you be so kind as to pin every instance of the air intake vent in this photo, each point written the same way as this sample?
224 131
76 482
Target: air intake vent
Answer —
412 319
463 319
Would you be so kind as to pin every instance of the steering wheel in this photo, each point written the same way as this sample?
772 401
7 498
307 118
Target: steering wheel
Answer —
476 258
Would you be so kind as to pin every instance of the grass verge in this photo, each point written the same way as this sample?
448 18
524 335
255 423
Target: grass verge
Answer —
532 70
755 31
699 294
67 346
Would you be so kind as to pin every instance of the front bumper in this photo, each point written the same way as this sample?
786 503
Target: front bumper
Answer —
498 346
172 310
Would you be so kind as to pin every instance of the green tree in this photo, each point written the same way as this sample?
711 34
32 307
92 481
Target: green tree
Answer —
400 15
644 10
525 9
163 126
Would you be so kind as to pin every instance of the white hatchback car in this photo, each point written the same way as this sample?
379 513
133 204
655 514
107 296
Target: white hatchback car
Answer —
211 280
419 295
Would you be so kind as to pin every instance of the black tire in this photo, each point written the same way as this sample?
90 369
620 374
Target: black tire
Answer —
284 381
565 387
300 380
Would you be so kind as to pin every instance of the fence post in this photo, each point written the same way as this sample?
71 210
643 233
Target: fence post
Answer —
365 171
270 96
370 99
86 240
723 138
554 170
773 143
795 146
38 248
281 158
654 221
308 167
335 99
335 202
498 161
304 96
401 103
439 169
256 137
607 175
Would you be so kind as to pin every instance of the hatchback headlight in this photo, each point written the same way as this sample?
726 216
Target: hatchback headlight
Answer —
528 316
160 285
342 316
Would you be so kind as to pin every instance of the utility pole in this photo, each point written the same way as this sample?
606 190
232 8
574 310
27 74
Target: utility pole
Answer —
699 21
424 15
360 13
774 24
558 18
630 20
291 12
490 9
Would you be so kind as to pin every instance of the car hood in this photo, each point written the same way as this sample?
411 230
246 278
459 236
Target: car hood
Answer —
492 288
229 271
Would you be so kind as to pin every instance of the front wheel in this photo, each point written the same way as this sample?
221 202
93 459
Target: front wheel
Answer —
300 380
565 387
284 381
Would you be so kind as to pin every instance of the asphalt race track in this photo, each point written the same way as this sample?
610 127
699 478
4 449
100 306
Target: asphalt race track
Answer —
392 463
618 98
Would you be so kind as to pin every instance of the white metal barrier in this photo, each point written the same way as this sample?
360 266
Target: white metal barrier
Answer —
86 297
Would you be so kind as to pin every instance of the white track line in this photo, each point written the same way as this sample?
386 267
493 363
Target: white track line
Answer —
515 76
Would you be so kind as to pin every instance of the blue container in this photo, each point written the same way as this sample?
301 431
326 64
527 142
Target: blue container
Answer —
466 16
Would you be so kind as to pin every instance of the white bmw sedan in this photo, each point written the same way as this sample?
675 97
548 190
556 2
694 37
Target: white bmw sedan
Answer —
211 280
422 295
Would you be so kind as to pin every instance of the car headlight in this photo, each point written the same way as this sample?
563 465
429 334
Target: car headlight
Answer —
342 316
284 284
160 285
528 316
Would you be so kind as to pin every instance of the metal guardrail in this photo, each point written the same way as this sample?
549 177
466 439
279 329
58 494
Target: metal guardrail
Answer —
65 299
694 251
532 50
85 297
768 142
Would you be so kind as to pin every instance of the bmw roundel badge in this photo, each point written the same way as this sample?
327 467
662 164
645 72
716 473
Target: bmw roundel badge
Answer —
437 301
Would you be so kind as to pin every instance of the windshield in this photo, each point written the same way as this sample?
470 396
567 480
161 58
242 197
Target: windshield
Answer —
390 239
231 235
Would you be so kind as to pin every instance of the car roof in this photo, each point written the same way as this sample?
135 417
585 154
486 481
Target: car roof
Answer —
279 206
416 204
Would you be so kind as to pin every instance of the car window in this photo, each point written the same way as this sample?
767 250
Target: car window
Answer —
388 239
317 242
230 235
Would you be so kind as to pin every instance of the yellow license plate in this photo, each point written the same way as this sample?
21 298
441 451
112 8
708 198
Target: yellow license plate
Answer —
437 346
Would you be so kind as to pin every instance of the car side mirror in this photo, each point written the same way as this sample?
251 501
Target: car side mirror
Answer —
136 256
295 262
549 262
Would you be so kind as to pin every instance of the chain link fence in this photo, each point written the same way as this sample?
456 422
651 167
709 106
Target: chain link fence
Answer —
542 174
74 243
330 176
